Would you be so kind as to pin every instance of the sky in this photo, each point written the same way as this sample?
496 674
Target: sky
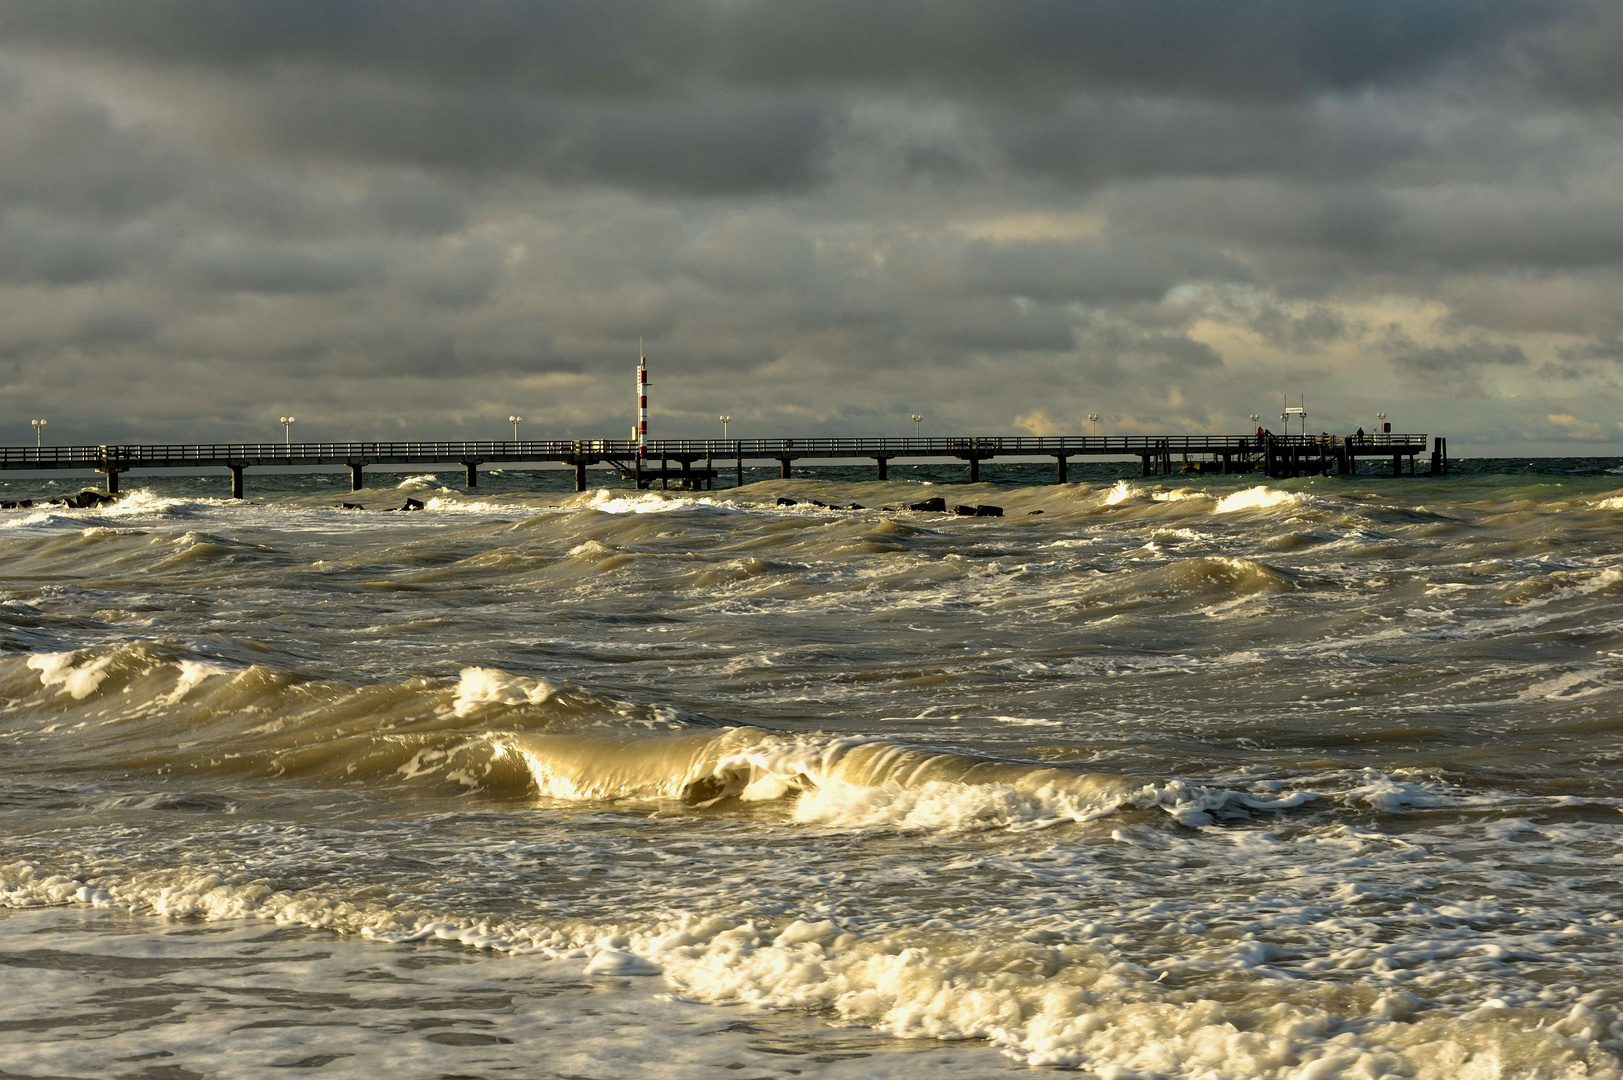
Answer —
412 219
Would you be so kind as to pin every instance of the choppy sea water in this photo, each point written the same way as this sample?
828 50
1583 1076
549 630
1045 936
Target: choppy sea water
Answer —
1177 778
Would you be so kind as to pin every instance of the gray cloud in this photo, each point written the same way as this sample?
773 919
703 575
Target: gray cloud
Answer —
1457 359
821 217
1247 49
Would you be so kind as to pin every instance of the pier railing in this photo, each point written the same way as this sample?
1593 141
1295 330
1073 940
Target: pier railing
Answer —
1278 455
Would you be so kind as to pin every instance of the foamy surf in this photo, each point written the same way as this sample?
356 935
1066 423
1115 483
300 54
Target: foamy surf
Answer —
1068 996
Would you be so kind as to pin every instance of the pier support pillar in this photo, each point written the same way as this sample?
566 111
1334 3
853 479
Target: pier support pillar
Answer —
884 467
112 480
710 472
783 468
354 477
1397 464
740 477
664 474
1145 458
1060 462
974 470
580 474
473 473
639 473
236 481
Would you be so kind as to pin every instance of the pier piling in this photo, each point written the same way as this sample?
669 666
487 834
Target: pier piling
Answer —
236 480
473 473
354 476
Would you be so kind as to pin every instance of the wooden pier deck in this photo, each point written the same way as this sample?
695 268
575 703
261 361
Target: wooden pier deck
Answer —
1273 455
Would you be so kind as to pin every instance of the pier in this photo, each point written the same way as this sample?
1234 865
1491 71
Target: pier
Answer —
698 462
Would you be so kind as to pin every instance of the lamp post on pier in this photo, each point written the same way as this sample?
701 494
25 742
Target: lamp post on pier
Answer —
1381 426
287 430
918 424
1093 420
515 420
39 433
725 418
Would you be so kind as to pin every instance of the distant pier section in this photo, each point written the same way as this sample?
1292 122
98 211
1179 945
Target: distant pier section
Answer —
694 463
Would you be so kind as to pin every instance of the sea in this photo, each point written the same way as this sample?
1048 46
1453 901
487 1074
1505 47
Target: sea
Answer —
1150 777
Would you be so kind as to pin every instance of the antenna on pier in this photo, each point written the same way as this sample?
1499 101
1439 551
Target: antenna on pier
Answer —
642 403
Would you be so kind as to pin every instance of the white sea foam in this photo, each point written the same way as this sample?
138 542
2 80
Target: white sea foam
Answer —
143 502
1120 492
77 681
36 517
471 506
193 673
1028 721
1395 794
1256 498
650 502
478 687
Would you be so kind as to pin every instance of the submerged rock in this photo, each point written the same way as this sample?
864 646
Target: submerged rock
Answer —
84 500
937 505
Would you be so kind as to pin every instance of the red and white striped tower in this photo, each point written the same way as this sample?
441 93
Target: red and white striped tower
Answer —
642 408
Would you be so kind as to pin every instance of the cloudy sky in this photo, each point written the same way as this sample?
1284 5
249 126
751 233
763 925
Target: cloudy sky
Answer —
410 218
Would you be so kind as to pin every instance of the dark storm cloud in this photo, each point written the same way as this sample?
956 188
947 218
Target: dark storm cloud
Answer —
1246 49
69 157
1457 359
1309 332
37 250
716 147
1098 139
1093 272
265 269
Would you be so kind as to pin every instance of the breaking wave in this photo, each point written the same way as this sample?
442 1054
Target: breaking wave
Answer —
519 736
